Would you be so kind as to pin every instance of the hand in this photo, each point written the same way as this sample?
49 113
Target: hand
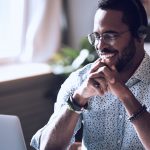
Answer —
115 85
97 79
91 86
101 79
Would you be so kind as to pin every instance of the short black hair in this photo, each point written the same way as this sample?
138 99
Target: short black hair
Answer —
134 14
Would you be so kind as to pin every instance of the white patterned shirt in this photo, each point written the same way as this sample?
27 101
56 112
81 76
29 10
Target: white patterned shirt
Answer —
105 122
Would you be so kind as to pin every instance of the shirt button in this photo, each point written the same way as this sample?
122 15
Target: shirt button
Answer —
120 116
118 141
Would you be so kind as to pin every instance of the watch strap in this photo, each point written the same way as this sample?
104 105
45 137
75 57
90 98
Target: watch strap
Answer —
74 106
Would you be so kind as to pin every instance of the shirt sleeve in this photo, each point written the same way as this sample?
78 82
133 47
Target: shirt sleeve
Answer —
67 88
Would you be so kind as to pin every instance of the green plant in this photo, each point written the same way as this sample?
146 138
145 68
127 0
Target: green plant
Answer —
68 59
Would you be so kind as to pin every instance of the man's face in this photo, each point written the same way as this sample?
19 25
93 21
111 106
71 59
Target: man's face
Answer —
120 49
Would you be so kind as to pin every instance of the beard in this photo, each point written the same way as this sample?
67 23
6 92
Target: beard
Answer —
125 61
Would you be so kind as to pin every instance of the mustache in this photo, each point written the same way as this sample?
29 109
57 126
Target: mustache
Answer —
105 50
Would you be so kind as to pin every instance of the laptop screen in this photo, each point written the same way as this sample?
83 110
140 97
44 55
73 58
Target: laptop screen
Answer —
11 135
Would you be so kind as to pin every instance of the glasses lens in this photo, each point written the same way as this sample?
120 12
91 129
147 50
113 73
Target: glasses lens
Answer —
108 38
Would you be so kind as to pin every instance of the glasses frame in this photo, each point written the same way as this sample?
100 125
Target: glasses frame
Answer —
107 37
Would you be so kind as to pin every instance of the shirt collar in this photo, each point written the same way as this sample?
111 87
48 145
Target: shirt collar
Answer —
142 73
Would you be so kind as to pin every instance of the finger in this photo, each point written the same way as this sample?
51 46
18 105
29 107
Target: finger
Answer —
109 74
103 84
95 84
113 68
97 74
97 88
100 86
97 65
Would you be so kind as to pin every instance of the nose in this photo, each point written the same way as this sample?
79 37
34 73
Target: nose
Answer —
100 44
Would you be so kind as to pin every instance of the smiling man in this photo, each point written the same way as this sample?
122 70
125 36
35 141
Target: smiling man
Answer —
111 96
117 47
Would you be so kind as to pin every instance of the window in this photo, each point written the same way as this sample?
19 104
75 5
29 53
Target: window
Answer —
10 28
29 32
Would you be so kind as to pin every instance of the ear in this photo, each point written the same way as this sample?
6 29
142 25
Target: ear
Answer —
139 42
142 32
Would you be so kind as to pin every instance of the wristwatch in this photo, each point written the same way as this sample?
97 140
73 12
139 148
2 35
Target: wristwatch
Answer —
74 106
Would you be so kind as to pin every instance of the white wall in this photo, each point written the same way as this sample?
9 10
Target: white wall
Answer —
81 17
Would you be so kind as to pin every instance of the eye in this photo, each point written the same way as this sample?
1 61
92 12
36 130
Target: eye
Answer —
110 36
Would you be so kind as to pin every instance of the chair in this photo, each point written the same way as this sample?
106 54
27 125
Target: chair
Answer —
11 135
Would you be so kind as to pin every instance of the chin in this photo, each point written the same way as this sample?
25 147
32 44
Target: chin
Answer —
110 63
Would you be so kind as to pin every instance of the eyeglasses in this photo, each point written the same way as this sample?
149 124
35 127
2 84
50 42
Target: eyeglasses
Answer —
107 37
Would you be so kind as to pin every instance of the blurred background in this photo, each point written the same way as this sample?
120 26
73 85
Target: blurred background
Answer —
41 43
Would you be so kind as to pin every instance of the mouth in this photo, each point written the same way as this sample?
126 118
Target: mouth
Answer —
108 56
105 55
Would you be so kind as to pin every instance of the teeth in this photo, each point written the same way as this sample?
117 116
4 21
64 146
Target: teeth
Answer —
107 55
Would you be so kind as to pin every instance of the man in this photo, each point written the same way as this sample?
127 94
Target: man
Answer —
111 96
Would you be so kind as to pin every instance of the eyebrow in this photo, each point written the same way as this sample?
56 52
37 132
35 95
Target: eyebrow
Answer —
108 31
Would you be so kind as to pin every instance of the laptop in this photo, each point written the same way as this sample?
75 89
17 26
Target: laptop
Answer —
11 135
